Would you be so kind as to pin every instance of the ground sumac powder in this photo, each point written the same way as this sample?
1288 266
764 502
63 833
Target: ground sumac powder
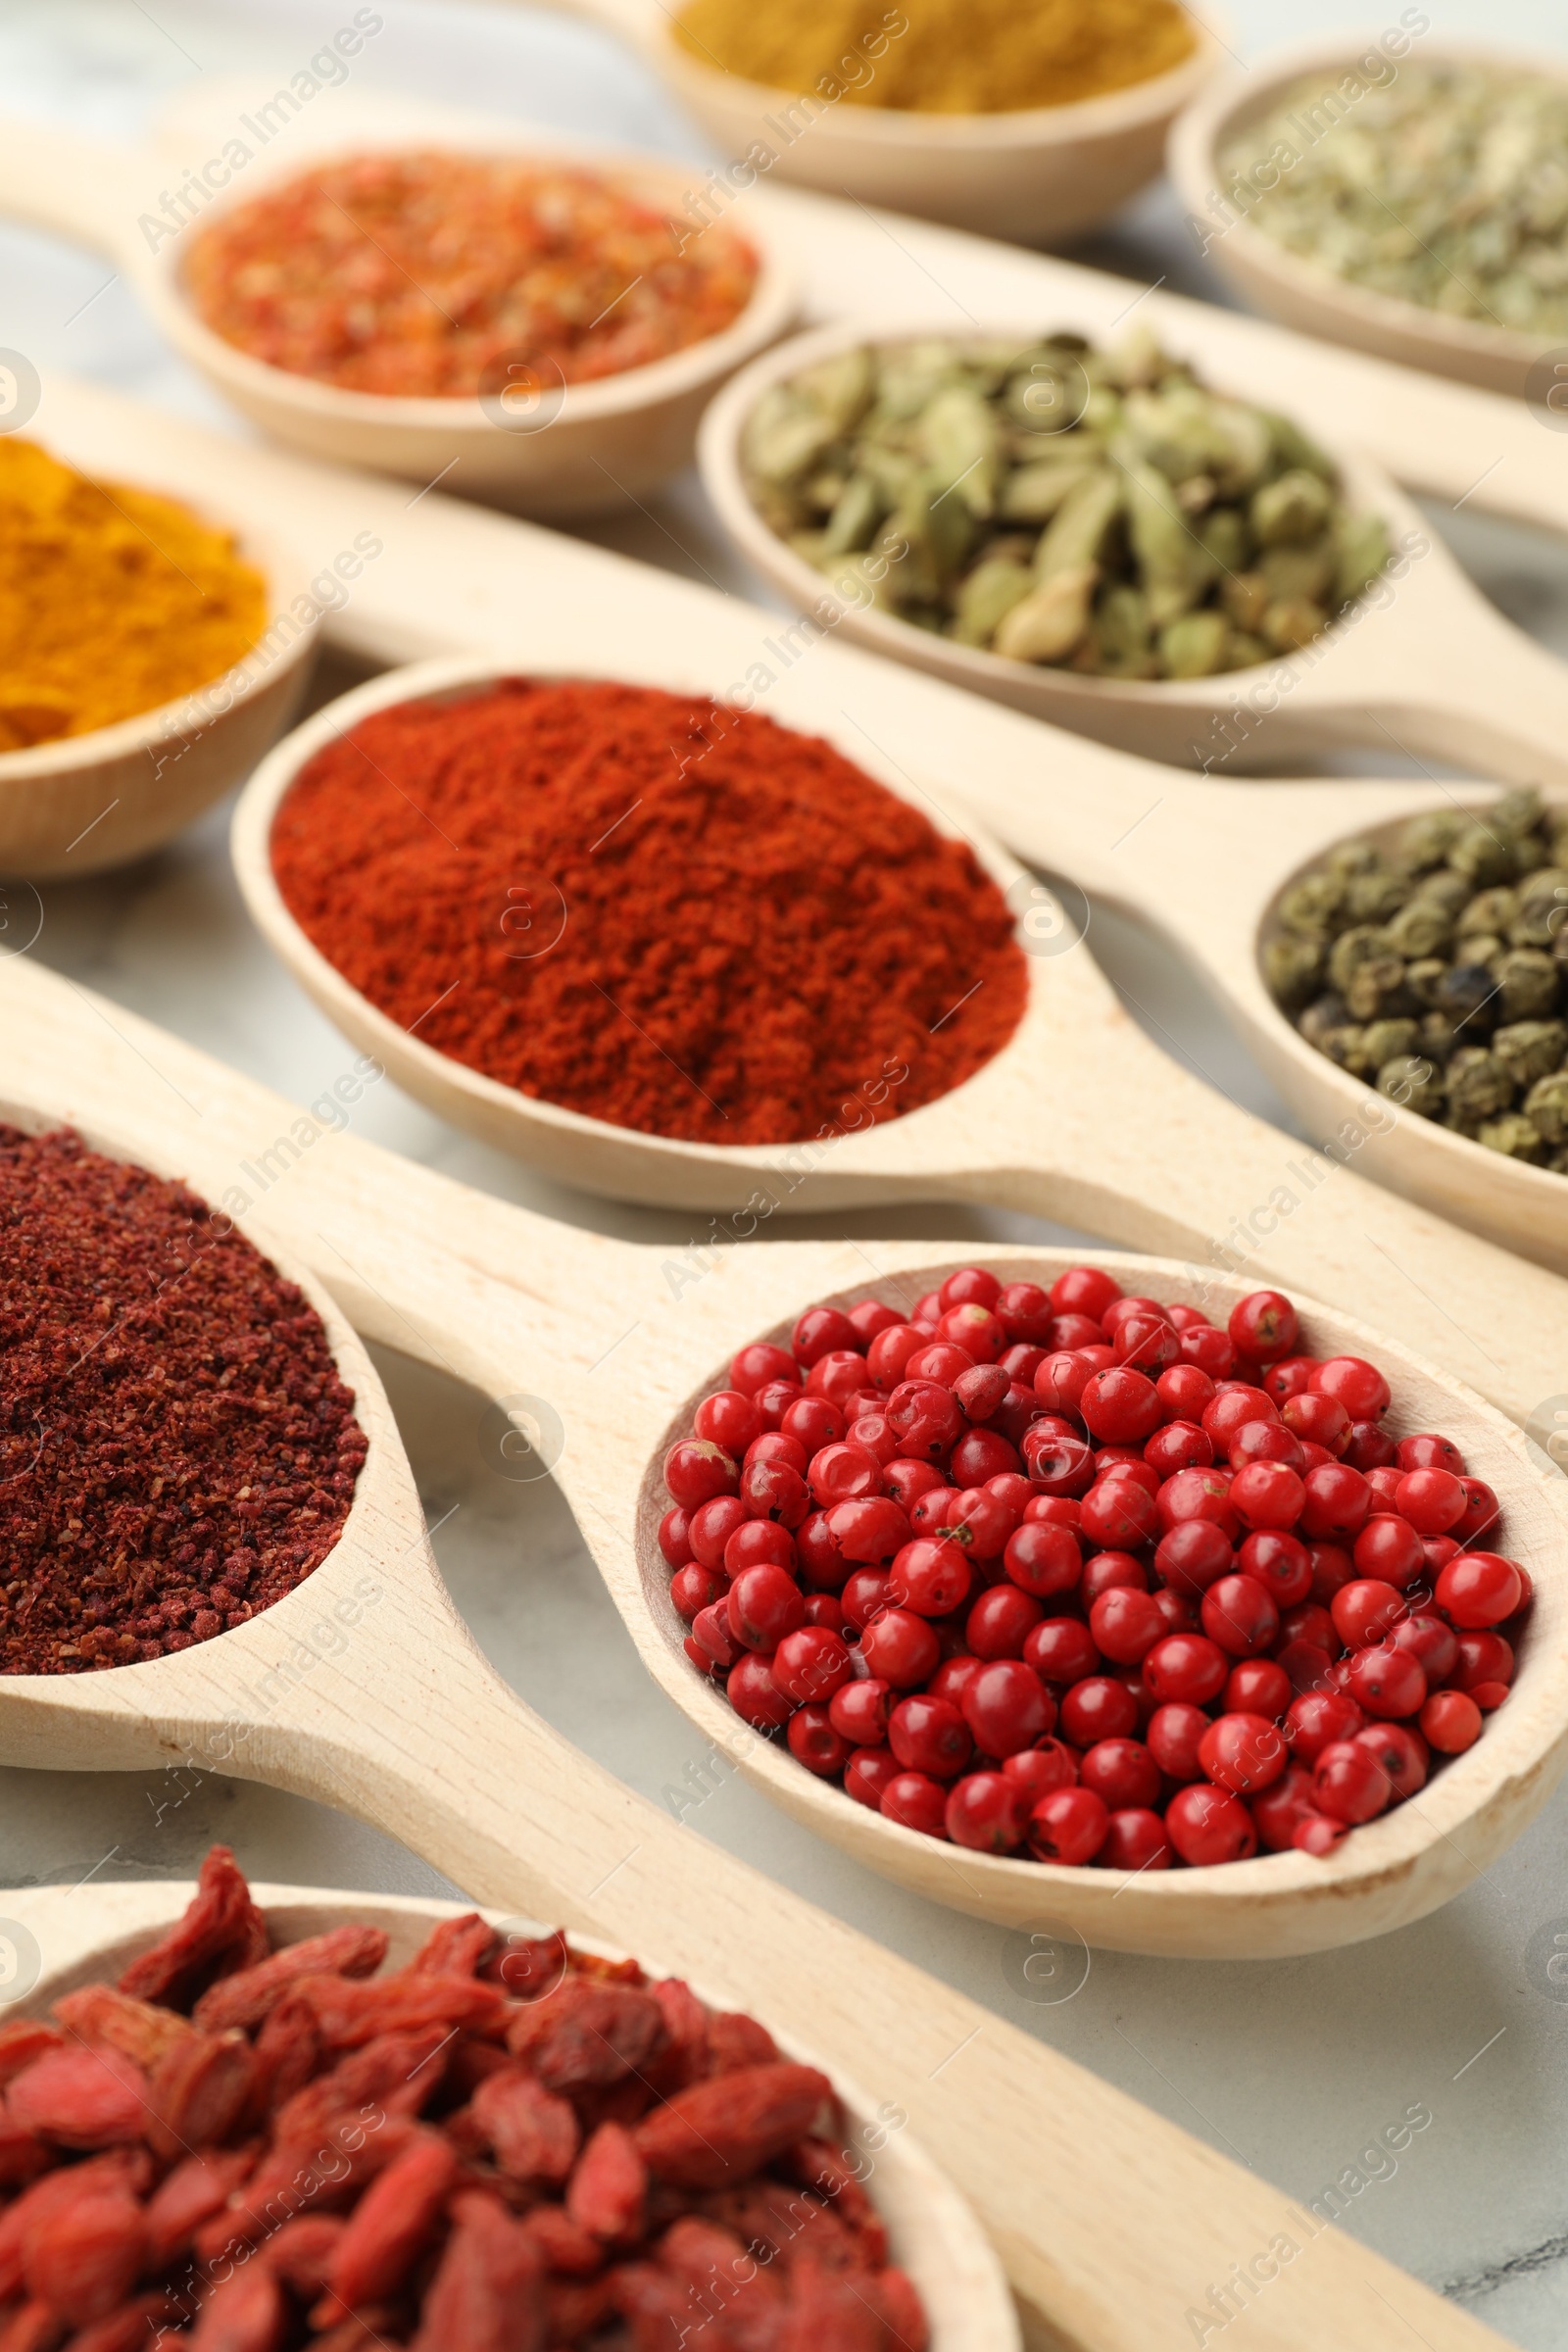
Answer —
650 908
177 1449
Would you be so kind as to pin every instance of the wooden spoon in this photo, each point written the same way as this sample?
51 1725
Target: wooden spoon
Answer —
1302 293
545 447
1036 177
594 1354
1423 663
79 804
933 2235
1079 1117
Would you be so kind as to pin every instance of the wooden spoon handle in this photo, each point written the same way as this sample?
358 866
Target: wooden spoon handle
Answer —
1154 1159
1113 2224
78 188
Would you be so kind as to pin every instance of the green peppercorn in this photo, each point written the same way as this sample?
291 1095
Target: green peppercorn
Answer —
1546 1104
1479 1087
1438 1036
1311 903
1445 890
1377 987
1414 1081
1426 841
1326 1014
1542 908
1514 1136
1530 1049
1371 897
1467 994
1292 966
1364 943
1423 977
1489 910
1347 1047
1527 983
1418 929
1388 1039
1484 855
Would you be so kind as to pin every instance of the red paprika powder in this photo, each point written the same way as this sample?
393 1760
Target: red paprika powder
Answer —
177 1449
650 908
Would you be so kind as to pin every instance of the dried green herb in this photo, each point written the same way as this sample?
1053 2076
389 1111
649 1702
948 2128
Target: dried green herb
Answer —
1436 968
1447 186
1099 511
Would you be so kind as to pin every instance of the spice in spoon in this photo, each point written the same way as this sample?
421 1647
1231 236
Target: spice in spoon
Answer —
177 1449
113 601
945 57
504 2143
1086 1579
655 909
1100 511
1446 187
423 275
1433 970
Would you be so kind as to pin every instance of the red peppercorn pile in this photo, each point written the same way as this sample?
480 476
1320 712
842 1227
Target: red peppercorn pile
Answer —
1081 1576
177 1449
517 2147
650 908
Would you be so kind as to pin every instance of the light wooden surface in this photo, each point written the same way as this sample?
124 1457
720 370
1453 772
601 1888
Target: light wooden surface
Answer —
1285 284
1424 663
573 449
933 2235
85 802
364 1690
1039 176
529 1312
451 576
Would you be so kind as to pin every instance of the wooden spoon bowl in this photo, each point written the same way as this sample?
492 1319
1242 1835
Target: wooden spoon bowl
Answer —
1078 1117
363 1689
1423 658
80 803
530 1314
932 2234
543 448
1303 294
1035 176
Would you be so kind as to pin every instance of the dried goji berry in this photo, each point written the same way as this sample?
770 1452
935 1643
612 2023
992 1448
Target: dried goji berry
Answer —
52 2194
736 2041
609 2186
198 2091
302 2253
246 2314
85 2257
578 2307
816 2164
189 2195
22 2154
829 2313
732 2124
138 2327
106 2020
82 2098
253 1993
587 2034
288 2051
533 2132
349 2015
907 2328
454 1947
22 2040
563 2244
488 2294
220 1930
393 2223
35 2327
686 2056
529 1966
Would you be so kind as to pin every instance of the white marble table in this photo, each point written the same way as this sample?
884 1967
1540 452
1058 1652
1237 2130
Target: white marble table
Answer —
1293 2068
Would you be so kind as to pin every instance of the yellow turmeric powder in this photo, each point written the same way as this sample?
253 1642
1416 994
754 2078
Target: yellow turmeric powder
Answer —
112 601
940 57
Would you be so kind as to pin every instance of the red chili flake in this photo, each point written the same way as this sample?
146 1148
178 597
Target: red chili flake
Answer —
427 276
177 1449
